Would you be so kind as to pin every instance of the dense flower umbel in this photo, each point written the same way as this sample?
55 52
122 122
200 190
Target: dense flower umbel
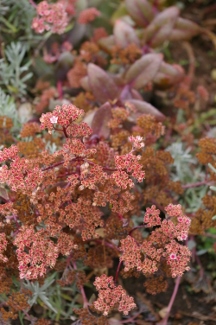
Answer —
162 243
63 115
111 296
35 252
50 17
65 190
3 245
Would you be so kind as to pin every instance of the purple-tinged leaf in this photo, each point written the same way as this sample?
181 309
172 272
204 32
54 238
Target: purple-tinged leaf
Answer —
84 82
4 193
135 94
143 70
161 27
124 34
143 107
184 30
141 11
100 121
168 75
102 85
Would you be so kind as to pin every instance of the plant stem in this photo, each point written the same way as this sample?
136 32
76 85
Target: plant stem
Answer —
169 307
33 3
191 185
117 271
82 291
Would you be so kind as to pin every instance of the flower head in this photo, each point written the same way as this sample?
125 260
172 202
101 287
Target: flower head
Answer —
54 119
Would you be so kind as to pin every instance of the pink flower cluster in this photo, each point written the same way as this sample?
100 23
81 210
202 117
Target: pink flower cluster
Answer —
152 217
161 243
63 115
8 153
88 15
130 164
111 296
177 257
21 175
51 17
137 142
3 245
182 223
35 253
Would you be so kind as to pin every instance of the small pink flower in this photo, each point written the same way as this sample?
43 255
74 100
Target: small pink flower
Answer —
183 237
137 142
54 119
173 256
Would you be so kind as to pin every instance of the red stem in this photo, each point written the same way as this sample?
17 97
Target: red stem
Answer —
53 166
82 291
169 307
102 242
117 271
33 3
65 132
198 184
135 228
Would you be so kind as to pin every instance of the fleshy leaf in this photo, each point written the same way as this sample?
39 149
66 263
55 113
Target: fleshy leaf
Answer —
100 121
162 26
124 34
168 75
141 11
101 84
85 83
4 193
143 107
143 70
184 30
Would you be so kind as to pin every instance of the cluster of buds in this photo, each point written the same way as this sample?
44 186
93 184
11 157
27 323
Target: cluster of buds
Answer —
111 296
35 253
137 142
51 17
3 245
162 243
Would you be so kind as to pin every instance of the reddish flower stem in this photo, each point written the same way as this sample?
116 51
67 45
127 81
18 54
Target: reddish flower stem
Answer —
135 228
33 3
192 185
53 166
61 163
169 307
117 271
103 242
131 319
65 132
82 291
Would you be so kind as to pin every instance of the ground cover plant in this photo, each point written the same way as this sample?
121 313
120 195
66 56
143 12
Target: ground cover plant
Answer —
107 162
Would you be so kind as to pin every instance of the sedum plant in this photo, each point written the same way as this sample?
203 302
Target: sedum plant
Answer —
97 184
73 202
